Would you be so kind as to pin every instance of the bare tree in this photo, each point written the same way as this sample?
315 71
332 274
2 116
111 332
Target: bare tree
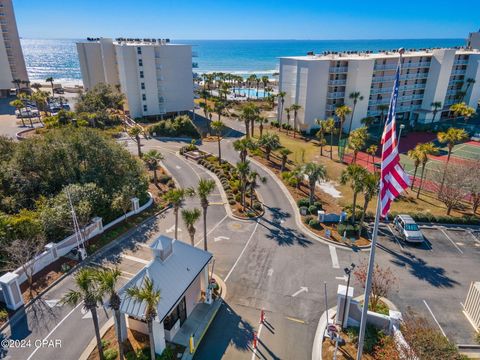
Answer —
454 189
383 281
472 185
23 253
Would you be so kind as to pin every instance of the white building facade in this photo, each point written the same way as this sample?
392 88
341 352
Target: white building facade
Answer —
12 63
155 76
321 83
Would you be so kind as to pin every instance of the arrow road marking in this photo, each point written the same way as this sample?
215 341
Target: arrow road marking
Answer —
302 289
270 272
219 238
172 229
52 303
344 278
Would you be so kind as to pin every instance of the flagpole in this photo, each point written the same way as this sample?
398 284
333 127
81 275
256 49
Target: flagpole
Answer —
371 260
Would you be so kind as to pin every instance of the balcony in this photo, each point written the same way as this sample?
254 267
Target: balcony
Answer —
337 82
385 67
331 107
335 95
460 62
415 65
341 69
458 72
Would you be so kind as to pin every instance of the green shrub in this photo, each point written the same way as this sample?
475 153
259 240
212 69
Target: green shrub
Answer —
65 268
305 202
167 354
251 214
352 231
232 202
257 206
163 179
275 124
105 343
238 197
307 219
372 337
3 315
181 126
315 224
312 209
318 204
286 175
110 354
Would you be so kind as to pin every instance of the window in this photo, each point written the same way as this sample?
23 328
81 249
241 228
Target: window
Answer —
140 62
144 97
141 75
139 50
142 85
411 227
145 108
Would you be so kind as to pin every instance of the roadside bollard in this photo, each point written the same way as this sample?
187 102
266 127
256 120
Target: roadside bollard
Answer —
254 339
262 316
192 344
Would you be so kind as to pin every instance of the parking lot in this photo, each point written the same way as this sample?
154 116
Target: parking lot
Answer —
434 277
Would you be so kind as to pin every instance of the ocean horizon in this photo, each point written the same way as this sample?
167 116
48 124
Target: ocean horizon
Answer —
58 58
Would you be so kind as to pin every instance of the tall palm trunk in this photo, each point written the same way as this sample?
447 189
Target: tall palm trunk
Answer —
93 311
252 126
119 333
261 129
151 339
155 178
205 246
421 181
294 124
137 137
219 150
351 119
450 148
331 145
312 192
247 128
354 207
252 187
414 177
364 210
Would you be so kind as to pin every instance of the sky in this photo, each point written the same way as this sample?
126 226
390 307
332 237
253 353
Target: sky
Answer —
248 19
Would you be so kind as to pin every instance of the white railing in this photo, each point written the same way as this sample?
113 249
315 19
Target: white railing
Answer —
340 69
460 62
335 95
337 82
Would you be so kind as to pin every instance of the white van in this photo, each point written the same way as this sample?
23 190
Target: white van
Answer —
408 229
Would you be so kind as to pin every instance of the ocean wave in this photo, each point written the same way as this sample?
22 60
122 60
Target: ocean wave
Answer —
240 72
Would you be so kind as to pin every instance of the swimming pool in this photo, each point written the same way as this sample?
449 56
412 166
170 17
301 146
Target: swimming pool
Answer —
248 92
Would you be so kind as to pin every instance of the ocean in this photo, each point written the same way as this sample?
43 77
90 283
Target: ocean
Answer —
58 57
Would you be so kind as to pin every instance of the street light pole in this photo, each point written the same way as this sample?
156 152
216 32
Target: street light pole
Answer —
348 271
402 126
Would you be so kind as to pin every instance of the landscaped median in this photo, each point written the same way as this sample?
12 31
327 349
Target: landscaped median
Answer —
239 182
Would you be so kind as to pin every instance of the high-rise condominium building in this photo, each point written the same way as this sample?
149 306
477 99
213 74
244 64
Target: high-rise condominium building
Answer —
155 75
320 83
12 63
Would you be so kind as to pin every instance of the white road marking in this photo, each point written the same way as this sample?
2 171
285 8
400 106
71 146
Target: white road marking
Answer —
172 229
178 167
208 233
239 256
270 272
220 238
55 328
449 239
475 238
395 236
52 303
302 289
344 278
434 318
87 315
333 255
134 258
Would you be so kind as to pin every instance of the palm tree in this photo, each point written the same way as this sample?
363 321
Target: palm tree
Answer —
243 169
135 132
265 84
329 127
176 197
252 180
36 86
357 141
287 111
342 112
18 104
151 296
261 120
436 106
249 113
295 108
461 109
452 137
50 80
281 96
108 280
372 150
321 134
250 81
219 108
242 146
152 159
355 175
382 108
314 173
269 142
204 189
17 83
424 150
87 292
190 217
370 189
470 82
218 126
416 155
356 97
284 152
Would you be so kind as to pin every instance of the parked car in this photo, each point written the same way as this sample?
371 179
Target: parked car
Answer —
58 91
27 113
408 229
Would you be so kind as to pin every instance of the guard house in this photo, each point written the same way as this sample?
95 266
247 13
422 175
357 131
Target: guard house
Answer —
180 272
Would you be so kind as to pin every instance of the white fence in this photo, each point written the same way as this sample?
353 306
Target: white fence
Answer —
472 304
11 281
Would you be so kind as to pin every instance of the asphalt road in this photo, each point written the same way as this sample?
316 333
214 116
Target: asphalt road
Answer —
267 264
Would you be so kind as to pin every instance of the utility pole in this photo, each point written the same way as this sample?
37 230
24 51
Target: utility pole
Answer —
348 271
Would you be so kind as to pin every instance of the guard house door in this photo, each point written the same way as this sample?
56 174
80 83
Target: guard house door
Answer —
182 311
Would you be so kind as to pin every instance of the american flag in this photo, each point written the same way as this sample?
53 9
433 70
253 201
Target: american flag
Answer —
393 178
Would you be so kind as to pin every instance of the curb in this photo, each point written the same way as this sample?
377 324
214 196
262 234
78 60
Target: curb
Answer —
93 343
298 219
19 311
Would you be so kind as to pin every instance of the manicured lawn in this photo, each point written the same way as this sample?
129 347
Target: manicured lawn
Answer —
308 150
